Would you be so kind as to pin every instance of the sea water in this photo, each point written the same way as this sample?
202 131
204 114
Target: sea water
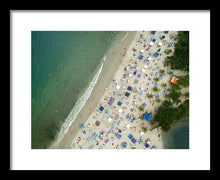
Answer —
178 136
65 66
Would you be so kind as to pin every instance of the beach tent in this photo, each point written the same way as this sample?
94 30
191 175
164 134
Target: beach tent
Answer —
129 88
135 72
147 116
153 32
156 54
171 43
146 145
130 136
119 103
133 140
101 109
127 94
111 101
140 57
174 79
124 144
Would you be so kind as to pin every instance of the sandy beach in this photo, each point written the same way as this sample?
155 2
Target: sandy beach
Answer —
127 78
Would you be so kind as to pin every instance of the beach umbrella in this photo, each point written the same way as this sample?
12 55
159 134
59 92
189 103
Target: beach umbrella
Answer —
141 133
130 136
80 126
151 52
160 44
142 51
134 140
151 43
97 123
140 57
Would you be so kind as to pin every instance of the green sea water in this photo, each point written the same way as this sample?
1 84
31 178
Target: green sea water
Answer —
178 136
62 65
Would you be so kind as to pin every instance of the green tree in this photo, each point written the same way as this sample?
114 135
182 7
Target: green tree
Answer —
144 129
162 71
164 85
150 96
186 95
142 117
180 57
155 89
141 108
158 100
156 79
184 80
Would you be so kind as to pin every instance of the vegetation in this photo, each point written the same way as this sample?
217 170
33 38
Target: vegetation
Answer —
164 85
162 71
167 115
141 108
156 79
158 100
155 89
184 80
168 51
144 129
142 117
180 57
150 96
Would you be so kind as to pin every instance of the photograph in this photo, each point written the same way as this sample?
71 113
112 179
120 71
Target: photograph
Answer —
110 89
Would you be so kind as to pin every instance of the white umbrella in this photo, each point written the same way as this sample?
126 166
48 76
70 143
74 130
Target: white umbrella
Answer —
142 50
120 110
128 126
151 43
109 119
160 44
141 133
145 66
143 70
149 58
118 87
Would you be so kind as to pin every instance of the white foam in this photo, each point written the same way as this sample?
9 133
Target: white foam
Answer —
77 108
124 37
104 58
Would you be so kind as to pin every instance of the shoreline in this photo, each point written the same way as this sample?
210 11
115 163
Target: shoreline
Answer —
111 76
110 66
